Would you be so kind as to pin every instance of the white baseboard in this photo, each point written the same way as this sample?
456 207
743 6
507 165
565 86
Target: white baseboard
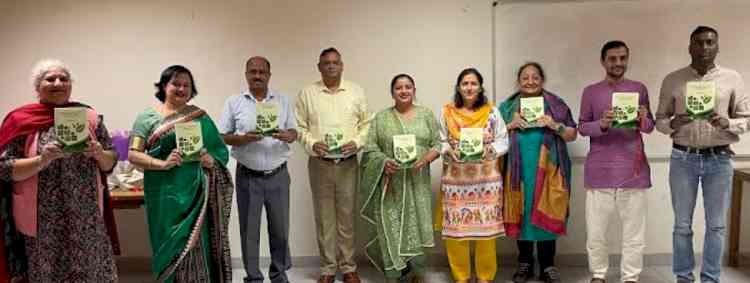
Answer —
143 264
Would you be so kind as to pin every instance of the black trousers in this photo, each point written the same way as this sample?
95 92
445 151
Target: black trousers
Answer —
545 253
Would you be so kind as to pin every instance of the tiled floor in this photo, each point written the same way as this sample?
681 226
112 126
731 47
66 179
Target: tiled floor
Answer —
651 274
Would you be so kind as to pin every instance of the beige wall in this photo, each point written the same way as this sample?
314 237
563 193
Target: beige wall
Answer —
117 49
566 38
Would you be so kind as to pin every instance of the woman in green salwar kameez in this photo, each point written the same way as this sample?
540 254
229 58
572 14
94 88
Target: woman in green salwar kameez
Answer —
187 203
397 198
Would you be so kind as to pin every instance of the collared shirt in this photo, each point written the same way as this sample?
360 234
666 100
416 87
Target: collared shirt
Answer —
319 110
239 117
732 102
614 154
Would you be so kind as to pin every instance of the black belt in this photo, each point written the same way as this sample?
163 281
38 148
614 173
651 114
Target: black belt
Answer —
337 160
265 173
719 149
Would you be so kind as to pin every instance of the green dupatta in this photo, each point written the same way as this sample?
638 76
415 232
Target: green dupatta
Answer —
187 203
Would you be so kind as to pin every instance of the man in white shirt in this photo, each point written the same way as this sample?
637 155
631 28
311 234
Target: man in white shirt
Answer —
262 176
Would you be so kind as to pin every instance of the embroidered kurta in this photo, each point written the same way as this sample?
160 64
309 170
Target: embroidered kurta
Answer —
399 218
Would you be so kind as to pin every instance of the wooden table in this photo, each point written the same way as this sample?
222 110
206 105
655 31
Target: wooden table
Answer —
741 175
126 199
121 200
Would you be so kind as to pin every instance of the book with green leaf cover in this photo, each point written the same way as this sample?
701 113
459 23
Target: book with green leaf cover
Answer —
700 98
470 145
72 128
532 108
625 107
189 140
267 118
334 139
405 150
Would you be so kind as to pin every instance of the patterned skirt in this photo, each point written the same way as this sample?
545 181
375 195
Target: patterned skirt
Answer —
471 198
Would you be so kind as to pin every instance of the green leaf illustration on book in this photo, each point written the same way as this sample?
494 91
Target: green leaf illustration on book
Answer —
189 140
699 98
186 144
405 150
625 108
79 127
71 128
334 139
467 147
532 108
470 144
526 112
401 154
267 119
695 104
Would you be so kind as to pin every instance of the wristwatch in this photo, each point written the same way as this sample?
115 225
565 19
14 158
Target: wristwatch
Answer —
560 129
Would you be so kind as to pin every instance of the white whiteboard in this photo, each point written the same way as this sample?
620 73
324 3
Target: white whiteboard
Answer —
566 38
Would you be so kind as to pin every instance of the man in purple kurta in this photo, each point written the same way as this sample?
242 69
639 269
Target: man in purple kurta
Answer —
616 172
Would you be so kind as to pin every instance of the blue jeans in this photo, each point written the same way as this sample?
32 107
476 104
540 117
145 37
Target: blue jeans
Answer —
714 172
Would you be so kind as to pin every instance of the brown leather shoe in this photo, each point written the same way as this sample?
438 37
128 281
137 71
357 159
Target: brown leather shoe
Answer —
631 281
598 280
351 277
326 279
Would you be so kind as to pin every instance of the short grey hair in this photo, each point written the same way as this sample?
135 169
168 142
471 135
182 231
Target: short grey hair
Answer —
43 66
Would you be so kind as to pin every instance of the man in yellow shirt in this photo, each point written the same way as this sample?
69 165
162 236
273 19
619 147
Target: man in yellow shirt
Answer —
332 120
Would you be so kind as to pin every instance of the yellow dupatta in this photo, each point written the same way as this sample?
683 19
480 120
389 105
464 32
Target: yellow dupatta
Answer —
454 120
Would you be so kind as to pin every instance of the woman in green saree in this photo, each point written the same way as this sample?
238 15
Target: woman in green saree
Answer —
397 197
187 203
